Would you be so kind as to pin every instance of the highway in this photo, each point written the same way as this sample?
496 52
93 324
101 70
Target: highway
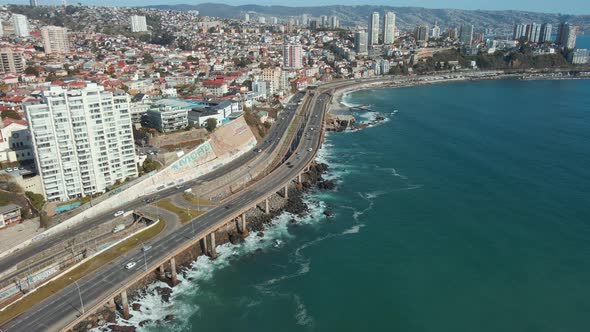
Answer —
267 146
61 308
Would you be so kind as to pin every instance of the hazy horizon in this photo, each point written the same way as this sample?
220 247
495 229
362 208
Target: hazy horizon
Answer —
575 7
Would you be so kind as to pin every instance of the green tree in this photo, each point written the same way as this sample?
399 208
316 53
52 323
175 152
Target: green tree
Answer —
147 58
211 124
44 220
150 165
36 199
10 114
32 71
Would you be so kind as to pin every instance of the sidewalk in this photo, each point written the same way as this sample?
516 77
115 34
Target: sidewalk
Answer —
16 234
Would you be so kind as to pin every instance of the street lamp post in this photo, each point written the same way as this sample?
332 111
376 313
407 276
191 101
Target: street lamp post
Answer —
80 295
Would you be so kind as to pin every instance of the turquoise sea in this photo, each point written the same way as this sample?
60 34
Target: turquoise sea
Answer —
468 210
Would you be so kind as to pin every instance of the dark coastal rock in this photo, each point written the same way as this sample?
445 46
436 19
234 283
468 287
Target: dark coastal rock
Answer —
235 238
136 307
164 293
109 316
121 328
144 322
328 213
327 185
169 318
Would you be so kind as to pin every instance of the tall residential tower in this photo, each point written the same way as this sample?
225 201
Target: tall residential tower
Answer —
83 140
374 29
389 28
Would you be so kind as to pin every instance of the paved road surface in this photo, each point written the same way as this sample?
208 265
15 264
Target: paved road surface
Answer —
61 308
270 143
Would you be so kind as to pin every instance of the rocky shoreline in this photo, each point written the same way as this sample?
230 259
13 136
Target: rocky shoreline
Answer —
257 221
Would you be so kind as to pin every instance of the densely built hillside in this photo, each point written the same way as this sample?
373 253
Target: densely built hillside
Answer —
407 17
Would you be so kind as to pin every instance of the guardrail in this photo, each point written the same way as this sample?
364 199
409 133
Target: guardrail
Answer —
187 244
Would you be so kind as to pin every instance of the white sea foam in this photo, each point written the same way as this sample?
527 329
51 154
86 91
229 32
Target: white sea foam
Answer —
354 229
153 308
301 315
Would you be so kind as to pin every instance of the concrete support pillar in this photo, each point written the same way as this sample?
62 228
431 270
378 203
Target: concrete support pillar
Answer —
162 271
299 178
212 252
286 191
125 305
204 246
243 228
111 304
266 207
174 278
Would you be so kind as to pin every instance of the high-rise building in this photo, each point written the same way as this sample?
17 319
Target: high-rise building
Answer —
533 32
138 23
579 56
34 3
435 31
466 34
1 29
324 21
304 19
82 139
566 35
389 28
546 30
262 20
314 25
274 20
247 17
21 25
334 22
11 61
421 33
55 39
519 31
292 56
361 39
374 29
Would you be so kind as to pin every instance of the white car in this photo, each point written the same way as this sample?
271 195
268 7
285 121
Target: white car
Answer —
119 213
129 265
310 149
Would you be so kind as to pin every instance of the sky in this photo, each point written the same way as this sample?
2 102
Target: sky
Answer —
578 7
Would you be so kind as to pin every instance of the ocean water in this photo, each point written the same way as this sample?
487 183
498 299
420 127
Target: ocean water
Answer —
467 210
583 41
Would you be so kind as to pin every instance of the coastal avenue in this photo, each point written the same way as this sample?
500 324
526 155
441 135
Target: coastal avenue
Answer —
268 146
62 308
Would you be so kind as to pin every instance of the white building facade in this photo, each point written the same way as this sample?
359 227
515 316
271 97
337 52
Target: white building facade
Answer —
389 28
55 39
82 139
138 23
21 25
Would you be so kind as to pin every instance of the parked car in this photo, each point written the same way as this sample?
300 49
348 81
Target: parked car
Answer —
119 213
130 265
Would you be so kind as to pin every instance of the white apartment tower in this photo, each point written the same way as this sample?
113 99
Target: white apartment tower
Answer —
374 29
34 3
55 39
11 61
138 23
293 56
82 139
21 25
389 28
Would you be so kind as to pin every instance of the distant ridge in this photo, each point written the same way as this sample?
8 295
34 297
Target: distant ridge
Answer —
407 17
